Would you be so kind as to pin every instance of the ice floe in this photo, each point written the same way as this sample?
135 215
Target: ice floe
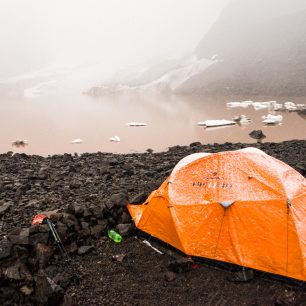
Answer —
242 119
77 141
114 139
243 104
272 119
136 124
216 123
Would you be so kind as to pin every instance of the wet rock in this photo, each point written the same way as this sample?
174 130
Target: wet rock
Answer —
301 167
87 213
4 208
63 279
85 249
21 253
181 265
170 276
26 290
119 199
47 292
287 298
139 198
97 211
72 248
245 275
5 248
78 210
43 254
85 225
195 144
125 217
21 238
54 215
97 230
257 134
39 228
119 257
8 296
39 238
124 229
43 173
75 184
18 271
68 301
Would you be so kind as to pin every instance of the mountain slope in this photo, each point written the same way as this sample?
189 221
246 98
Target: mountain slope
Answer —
262 46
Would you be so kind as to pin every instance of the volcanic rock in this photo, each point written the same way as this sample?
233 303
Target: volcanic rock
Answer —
43 254
5 248
257 134
85 249
47 292
5 207
21 238
124 229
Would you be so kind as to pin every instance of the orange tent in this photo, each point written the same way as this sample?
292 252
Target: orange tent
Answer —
243 207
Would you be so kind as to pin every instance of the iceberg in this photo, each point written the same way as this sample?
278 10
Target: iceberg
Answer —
77 141
216 123
272 119
114 139
136 124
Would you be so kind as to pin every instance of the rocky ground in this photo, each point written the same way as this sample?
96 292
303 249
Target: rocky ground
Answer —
85 196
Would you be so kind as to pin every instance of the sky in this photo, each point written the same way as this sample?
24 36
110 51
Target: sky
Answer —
34 33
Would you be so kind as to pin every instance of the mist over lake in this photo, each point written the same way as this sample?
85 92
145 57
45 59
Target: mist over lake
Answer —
50 114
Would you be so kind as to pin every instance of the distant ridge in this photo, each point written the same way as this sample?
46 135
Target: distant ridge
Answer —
261 47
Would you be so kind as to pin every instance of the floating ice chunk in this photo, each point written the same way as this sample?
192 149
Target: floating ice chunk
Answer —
272 119
290 106
247 102
77 141
242 119
233 104
243 104
277 106
20 143
114 139
136 124
215 123
263 105
214 57
301 106
260 105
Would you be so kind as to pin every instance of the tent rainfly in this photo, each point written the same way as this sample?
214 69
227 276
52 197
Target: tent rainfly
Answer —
242 207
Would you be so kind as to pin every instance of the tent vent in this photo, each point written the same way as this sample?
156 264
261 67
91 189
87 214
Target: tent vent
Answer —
288 203
227 203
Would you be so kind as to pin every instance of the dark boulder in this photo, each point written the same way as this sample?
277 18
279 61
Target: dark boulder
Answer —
5 248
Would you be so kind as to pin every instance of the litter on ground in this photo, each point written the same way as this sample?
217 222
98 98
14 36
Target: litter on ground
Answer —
146 242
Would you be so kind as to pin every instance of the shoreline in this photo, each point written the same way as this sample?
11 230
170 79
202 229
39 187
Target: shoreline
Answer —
24 176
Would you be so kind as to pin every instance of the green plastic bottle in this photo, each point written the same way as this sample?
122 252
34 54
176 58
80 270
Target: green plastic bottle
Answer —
114 236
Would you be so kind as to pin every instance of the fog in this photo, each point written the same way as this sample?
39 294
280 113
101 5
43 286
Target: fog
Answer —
114 33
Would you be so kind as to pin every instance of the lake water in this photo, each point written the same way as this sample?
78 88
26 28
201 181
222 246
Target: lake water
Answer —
50 116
